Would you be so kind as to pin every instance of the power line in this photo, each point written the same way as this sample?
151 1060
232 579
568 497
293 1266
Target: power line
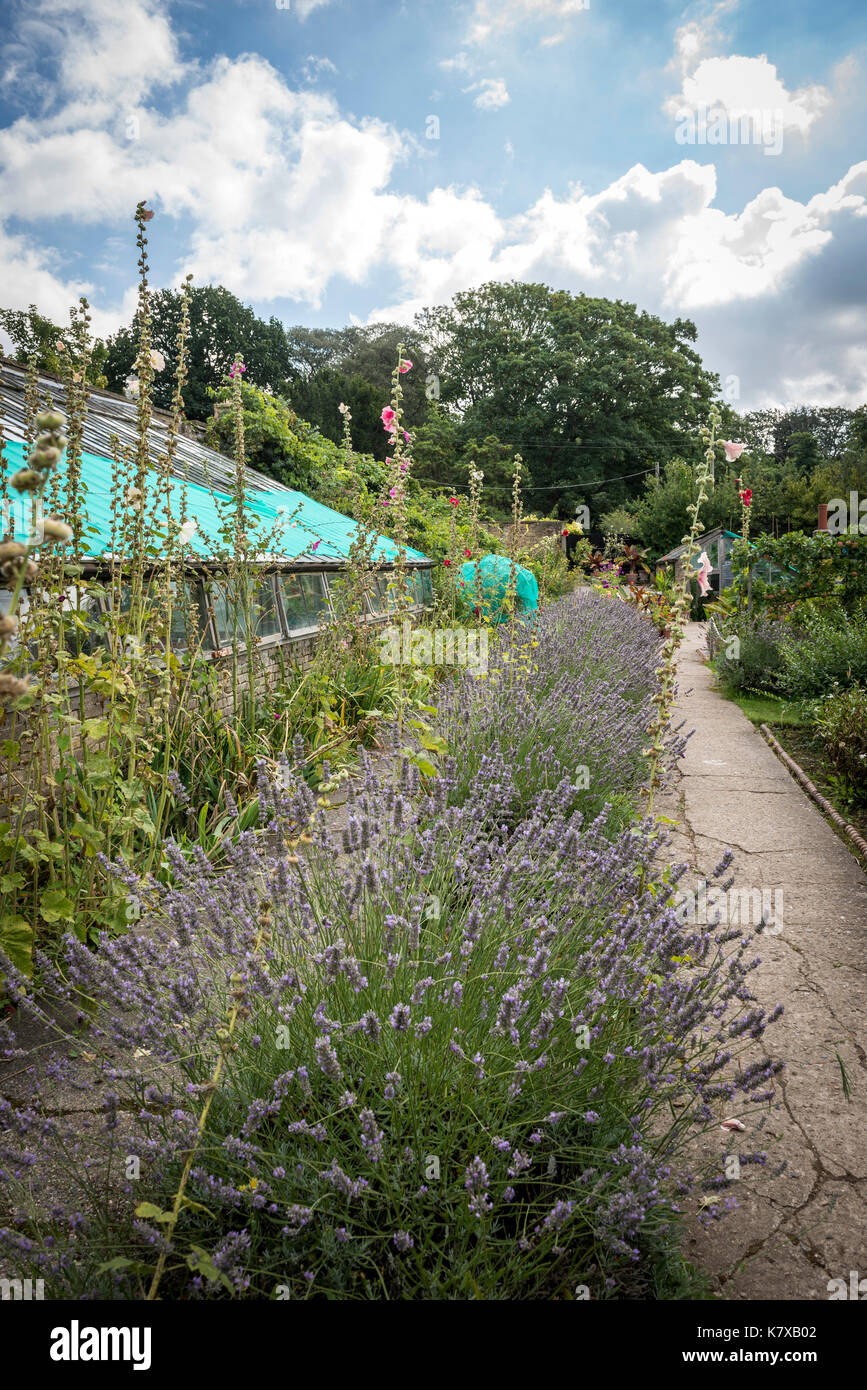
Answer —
547 487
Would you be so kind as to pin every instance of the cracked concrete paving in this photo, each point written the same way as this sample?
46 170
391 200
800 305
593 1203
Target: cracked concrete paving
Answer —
800 1220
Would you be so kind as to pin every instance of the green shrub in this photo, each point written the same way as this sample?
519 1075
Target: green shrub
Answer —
759 661
829 651
840 720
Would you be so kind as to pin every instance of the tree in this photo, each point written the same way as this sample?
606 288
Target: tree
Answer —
772 430
34 337
443 459
317 399
662 515
220 327
583 388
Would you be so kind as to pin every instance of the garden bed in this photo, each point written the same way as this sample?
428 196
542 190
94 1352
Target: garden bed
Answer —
461 1049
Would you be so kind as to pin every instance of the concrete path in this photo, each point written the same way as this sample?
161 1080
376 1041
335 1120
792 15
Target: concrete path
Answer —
802 1220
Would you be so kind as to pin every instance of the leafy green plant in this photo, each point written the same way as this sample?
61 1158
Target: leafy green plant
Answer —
840 721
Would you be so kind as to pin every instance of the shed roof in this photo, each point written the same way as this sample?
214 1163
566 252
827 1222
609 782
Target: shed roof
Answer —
291 525
702 541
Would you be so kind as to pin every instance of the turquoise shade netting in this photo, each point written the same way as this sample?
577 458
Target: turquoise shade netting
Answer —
494 574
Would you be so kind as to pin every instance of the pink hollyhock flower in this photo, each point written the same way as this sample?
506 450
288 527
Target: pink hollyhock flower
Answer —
388 418
392 492
237 368
733 451
406 436
147 214
406 365
315 545
704 569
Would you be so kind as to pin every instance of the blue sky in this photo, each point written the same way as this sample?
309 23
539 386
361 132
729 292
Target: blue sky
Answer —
705 161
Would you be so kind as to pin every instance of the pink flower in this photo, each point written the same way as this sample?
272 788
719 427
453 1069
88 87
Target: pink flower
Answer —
315 545
237 367
704 569
388 418
404 467
468 554
406 436
446 562
454 501
733 451
405 365
734 1125
147 214
393 492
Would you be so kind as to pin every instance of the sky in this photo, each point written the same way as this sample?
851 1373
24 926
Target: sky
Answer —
335 161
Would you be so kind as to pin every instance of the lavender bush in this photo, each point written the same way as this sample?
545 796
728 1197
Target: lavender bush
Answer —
572 693
434 1055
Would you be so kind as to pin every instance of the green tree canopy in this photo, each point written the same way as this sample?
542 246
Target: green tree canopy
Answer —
583 388
35 337
220 327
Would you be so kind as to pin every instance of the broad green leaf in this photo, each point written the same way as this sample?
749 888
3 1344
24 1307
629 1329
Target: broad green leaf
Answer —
16 939
54 906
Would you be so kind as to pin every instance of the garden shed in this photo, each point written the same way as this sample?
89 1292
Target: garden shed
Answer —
717 545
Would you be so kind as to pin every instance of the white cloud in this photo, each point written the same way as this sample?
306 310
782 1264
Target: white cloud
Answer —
741 85
491 17
274 193
460 63
551 40
736 84
313 66
104 52
493 93
305 8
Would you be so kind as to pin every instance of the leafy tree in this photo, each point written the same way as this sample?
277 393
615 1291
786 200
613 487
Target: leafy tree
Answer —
313 349
584 388
35 336
317 398
662 517
771 431
220 327
443 458
289 449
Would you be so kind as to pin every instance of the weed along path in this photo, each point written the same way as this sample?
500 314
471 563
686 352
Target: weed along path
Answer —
801 1215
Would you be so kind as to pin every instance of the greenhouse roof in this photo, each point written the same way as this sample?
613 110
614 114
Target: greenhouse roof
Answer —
288 524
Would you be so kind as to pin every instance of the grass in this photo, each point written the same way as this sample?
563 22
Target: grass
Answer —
765 709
